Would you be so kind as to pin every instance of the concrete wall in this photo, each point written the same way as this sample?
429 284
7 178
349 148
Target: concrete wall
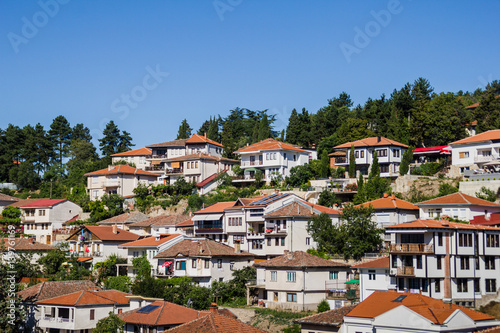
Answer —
471 187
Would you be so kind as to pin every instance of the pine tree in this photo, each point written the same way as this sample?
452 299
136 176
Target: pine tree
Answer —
125 142
110 140
352 163
60 135
293 128
184 130
213 130
264 128
205 127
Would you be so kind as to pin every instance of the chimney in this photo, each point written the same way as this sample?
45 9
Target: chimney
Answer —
378 138
386 195
393 197
237 246
205 135
115 229
213 307
445 221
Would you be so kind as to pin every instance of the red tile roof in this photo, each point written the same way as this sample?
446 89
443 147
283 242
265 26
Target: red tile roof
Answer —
166 314
121 169
43 203
204 248
84 259
389 203
269 144
433 224
382 262
150 241
31 279
26 244
196 138
434 310
207 180
299 259
136 152
105 233
130 217
458 199
487 136
302 209
216 207
328 318
187 223
89 297
215 323
374 141
51 289
23 202
493 219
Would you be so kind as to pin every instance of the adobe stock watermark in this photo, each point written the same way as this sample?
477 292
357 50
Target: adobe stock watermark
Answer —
372 29
223 6
11 275
30 28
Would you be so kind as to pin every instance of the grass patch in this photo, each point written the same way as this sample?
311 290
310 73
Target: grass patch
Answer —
281 317
492 308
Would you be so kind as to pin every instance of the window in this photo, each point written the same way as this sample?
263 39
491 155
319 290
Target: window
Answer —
231 265
277 241
207 263
489 262
41 212
394 261
384 168
477 287
282 241
395 152
274 276
180 265
491 285
196 164
219 263
437 285
291 297
193 263
291 276
462 285
435 212
464 263
257 244
492 240
362 154
275 298
92 314
334 275
419 262
464 240
463 154
382 152
308 240
135 254
440 239
371 275
356 154
239 238
439 262
269 241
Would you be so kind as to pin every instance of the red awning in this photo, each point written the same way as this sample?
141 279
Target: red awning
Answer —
166 264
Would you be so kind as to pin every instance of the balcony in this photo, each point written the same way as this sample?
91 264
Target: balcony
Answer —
340 160
406 271
155 168
483 158
255 235
174 171
411 248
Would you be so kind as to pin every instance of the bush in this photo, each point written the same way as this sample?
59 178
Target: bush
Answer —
428 169
323 306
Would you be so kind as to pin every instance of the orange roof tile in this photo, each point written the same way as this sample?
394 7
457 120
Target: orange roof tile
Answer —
187 223
205 248
299 259
51 289
481 137
43 203
86 297
216 207
5 197
434 310
389 203
121 169
268 144
149 241
126 218
105 233
382 262
32 279
166 314
458 198
495 329
374 141
433 224
84 259
136 152
215 323
173 219
196 138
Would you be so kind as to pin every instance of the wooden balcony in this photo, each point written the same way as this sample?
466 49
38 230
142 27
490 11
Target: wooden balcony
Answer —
406 271
411 248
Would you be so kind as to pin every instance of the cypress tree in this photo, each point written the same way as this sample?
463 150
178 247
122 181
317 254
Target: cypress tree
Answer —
352 163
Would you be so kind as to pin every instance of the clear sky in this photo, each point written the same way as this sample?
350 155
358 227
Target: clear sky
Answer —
149 64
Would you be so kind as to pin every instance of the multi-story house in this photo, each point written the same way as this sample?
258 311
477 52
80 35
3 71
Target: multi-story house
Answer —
42 217
298 280
389 154
373 276
163 150
117 179
475 151
125 220
141 158
6 200
202 259
99 242
455 262
17 247
81 310
167 224
458 206
273 158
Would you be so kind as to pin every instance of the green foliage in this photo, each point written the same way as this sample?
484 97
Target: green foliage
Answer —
143 267
352 163
122 283
184 130
325 170
428 169
123 162
299 175
11 215
328 199
52 261
361 196
406 159
295 328
339 172
111 324
280 317
259 177
12 314
323 306
107 268
113 141
317 253
445 189
486 194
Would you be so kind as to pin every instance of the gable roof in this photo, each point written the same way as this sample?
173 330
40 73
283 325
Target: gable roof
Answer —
443 224
374 141
89 297
41 203
382 262
300 259
389 202
328 318
481 137
125 218
26 244
105 233
215 323
51 289
217 207
173 143
5 197
492 219
121 169
150 241
434 310
458 198
269 144
200 156
201 248
166 314
173 219
136 152
23 202
185 224
196 138
296 209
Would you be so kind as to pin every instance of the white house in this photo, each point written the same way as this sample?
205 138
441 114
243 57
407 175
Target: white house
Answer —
41 217
139 157
393 312
298 280
324 322
272 157
455 262
14 247
374 275
389 154
458 206
202 259
6 200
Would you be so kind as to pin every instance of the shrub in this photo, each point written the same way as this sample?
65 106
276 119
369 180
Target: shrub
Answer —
323 306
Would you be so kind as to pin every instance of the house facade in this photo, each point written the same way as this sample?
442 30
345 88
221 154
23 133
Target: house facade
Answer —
273 158
298 280
42 217
445 260
125 220
117 179
373 276
389 154
141 158
6 200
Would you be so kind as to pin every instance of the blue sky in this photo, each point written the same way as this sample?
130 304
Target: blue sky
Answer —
82 59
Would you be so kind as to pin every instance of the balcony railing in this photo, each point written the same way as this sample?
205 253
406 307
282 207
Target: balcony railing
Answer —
155 168
339 160
406 271
411 248
171 171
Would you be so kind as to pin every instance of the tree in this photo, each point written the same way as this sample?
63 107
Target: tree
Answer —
259 177
143 267
110 140
60 135
122 283
360 196
12 316
11 215
125 142
299 175
264 129
486 194
324 232
111 324
405 162
294 127
323 306
445 189
352 163
375 168
325 164
328 199
52 261
184 130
